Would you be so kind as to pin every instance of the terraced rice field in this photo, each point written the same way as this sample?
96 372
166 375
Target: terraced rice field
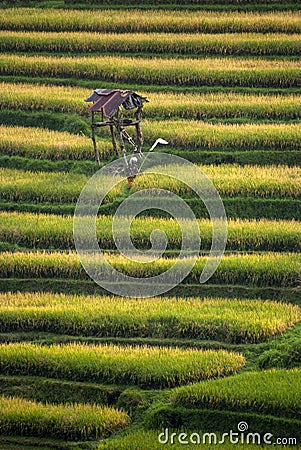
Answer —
111 364
157 43
66 421
228 320
222 105
49 231
248 391
161 71
267 269
80 367
191 136
31 19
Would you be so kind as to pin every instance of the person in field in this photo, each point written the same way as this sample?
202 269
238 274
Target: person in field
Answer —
132 170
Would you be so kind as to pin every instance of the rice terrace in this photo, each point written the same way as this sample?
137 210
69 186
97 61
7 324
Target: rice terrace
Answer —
187 116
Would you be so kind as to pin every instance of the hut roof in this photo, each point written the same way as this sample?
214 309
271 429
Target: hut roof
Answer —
108 101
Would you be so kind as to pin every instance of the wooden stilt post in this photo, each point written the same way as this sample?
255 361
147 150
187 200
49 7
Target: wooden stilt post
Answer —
119 131
97 157
138 130
113 139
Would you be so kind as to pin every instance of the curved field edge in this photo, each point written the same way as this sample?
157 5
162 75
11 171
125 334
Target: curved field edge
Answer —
231 321
65 421
147 367
32 443
54 391
274 392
